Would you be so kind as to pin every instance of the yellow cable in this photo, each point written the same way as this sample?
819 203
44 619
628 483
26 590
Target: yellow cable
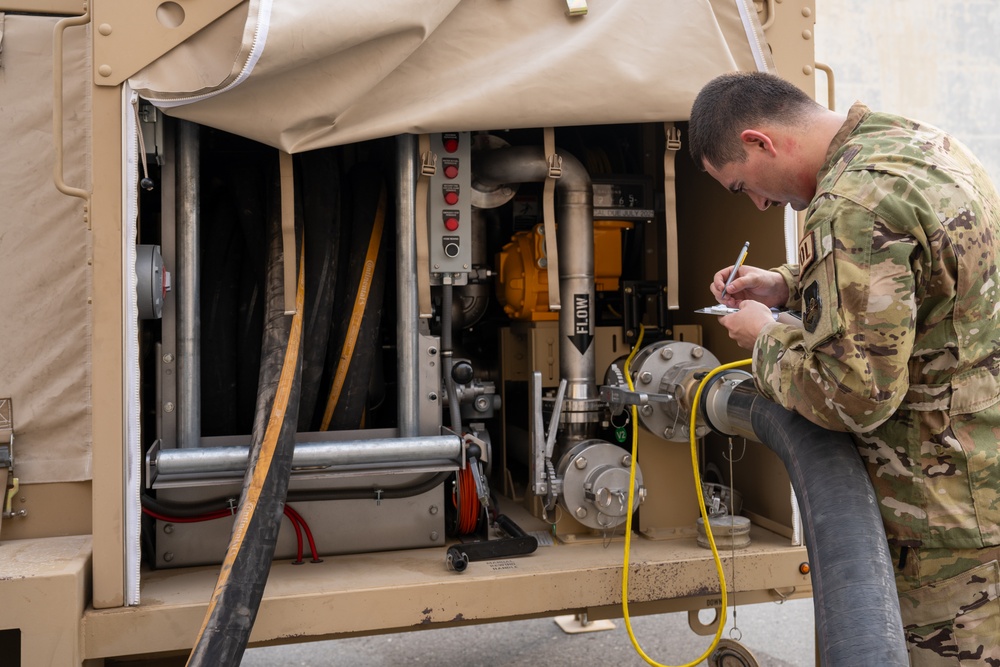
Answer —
701 506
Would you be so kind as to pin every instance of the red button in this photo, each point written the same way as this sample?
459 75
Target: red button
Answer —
451 224
451 171
451 197
450 145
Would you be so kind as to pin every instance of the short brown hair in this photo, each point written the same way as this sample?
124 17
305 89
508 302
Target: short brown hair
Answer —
733 102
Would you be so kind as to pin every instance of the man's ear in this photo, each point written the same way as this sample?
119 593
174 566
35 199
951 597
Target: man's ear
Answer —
758 140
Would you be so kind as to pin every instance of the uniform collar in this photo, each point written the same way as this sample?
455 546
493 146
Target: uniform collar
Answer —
855 116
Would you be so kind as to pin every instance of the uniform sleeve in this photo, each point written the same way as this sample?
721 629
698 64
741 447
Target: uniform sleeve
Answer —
846 368
790 274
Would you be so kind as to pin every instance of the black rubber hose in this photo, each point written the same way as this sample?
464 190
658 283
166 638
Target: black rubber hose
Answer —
857 611
317 182
232 610
355 339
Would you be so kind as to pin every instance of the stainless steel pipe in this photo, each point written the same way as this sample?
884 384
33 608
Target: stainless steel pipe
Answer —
407 311
575 238
313 455
187 286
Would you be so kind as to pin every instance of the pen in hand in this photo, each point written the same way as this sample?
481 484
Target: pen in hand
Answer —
736 267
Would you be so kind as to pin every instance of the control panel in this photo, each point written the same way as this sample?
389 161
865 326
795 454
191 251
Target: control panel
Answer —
449 203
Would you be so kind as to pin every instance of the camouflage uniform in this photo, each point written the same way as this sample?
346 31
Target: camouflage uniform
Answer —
899 290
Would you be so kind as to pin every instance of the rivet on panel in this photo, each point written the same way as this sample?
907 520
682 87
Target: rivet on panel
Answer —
807 70
104 70
807 34
104 29
807 12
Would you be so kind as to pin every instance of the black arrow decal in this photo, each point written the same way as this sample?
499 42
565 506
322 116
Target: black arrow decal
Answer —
582 337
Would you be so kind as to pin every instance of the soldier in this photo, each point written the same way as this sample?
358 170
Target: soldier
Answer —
899 291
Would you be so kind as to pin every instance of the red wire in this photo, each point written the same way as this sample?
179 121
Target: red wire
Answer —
309 535
298 536
466 502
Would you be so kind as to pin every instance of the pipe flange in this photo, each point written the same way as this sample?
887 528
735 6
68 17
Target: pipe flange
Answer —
674 369
595 476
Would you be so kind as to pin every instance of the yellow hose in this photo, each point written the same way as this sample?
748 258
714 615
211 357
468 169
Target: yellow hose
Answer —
701 506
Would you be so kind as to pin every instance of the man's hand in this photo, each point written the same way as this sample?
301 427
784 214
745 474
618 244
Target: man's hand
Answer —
745 326
751 283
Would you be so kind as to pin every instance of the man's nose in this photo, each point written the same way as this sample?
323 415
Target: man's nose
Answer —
760 202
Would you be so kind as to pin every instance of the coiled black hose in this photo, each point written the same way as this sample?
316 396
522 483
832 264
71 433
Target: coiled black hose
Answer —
355 339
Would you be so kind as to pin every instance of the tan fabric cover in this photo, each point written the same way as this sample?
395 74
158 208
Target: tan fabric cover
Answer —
44 248
340 72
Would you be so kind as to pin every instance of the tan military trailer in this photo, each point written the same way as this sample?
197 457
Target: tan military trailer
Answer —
386 305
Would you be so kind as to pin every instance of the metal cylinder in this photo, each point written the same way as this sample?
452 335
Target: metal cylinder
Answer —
187 286
726 404
407 315
313 455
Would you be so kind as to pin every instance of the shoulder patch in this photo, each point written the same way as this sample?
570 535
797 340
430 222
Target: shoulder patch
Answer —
807 251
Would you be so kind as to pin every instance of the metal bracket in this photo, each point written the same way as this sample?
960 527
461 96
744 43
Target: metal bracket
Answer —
536 436
11 483
543 478
130 34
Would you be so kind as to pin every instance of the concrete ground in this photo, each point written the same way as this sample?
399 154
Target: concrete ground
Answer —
776 635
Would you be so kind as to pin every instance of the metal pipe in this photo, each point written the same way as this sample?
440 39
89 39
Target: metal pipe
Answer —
188 283
448 358
312 455
575 237
407 315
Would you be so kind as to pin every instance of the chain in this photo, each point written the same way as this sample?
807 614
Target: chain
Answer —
734 633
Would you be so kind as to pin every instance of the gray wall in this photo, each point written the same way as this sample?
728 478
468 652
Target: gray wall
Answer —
937 61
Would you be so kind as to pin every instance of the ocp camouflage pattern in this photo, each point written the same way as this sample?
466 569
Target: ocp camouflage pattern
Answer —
955 619
901 344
